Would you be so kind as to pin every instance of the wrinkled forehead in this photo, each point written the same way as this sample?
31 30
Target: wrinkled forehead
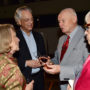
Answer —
26 13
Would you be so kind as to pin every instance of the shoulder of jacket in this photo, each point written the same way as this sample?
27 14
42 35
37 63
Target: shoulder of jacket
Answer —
62 37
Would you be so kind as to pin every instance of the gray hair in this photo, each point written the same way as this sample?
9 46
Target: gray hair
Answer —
87 17
17 15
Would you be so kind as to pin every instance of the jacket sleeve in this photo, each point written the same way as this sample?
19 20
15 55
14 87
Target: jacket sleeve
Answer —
11 77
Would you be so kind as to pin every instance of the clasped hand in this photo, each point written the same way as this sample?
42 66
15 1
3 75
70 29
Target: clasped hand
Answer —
48 66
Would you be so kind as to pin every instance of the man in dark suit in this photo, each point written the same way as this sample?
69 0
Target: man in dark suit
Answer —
31 45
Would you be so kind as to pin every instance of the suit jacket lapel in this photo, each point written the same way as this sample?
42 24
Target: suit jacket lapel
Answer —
23 43
60 44
87 60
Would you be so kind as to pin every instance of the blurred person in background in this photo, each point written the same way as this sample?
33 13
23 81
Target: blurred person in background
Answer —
82 81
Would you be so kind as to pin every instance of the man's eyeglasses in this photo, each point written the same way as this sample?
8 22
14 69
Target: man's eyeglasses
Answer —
87 26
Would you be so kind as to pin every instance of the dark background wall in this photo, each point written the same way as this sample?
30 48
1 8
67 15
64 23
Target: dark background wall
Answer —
45 14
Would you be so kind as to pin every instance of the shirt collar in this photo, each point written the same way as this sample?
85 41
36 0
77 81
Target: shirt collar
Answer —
24 33
73 33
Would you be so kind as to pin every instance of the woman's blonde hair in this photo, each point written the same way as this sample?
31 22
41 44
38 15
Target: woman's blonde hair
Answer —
5 37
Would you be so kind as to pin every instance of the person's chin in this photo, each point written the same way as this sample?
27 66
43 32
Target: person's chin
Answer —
64 31
30 29
17 49
89 42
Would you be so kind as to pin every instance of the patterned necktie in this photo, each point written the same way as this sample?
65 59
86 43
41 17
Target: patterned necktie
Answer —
64 48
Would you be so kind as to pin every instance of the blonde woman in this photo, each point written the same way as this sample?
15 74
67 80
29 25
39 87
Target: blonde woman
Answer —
11 77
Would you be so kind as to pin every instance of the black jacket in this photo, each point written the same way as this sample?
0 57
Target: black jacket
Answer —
23 54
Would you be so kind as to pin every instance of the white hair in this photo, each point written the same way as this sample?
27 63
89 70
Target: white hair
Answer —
17 15
87 17
70 10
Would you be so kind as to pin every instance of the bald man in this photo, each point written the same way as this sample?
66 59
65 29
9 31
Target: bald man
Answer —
74 57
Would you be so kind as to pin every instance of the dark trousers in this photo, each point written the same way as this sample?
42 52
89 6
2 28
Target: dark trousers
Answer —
38 80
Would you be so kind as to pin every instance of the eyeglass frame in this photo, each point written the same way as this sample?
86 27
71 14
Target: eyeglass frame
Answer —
86 26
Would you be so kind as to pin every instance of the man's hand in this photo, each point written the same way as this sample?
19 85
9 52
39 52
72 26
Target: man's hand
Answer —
52 69
33 63
30 85
45 60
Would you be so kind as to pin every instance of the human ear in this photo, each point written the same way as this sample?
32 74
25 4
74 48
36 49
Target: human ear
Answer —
19 22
